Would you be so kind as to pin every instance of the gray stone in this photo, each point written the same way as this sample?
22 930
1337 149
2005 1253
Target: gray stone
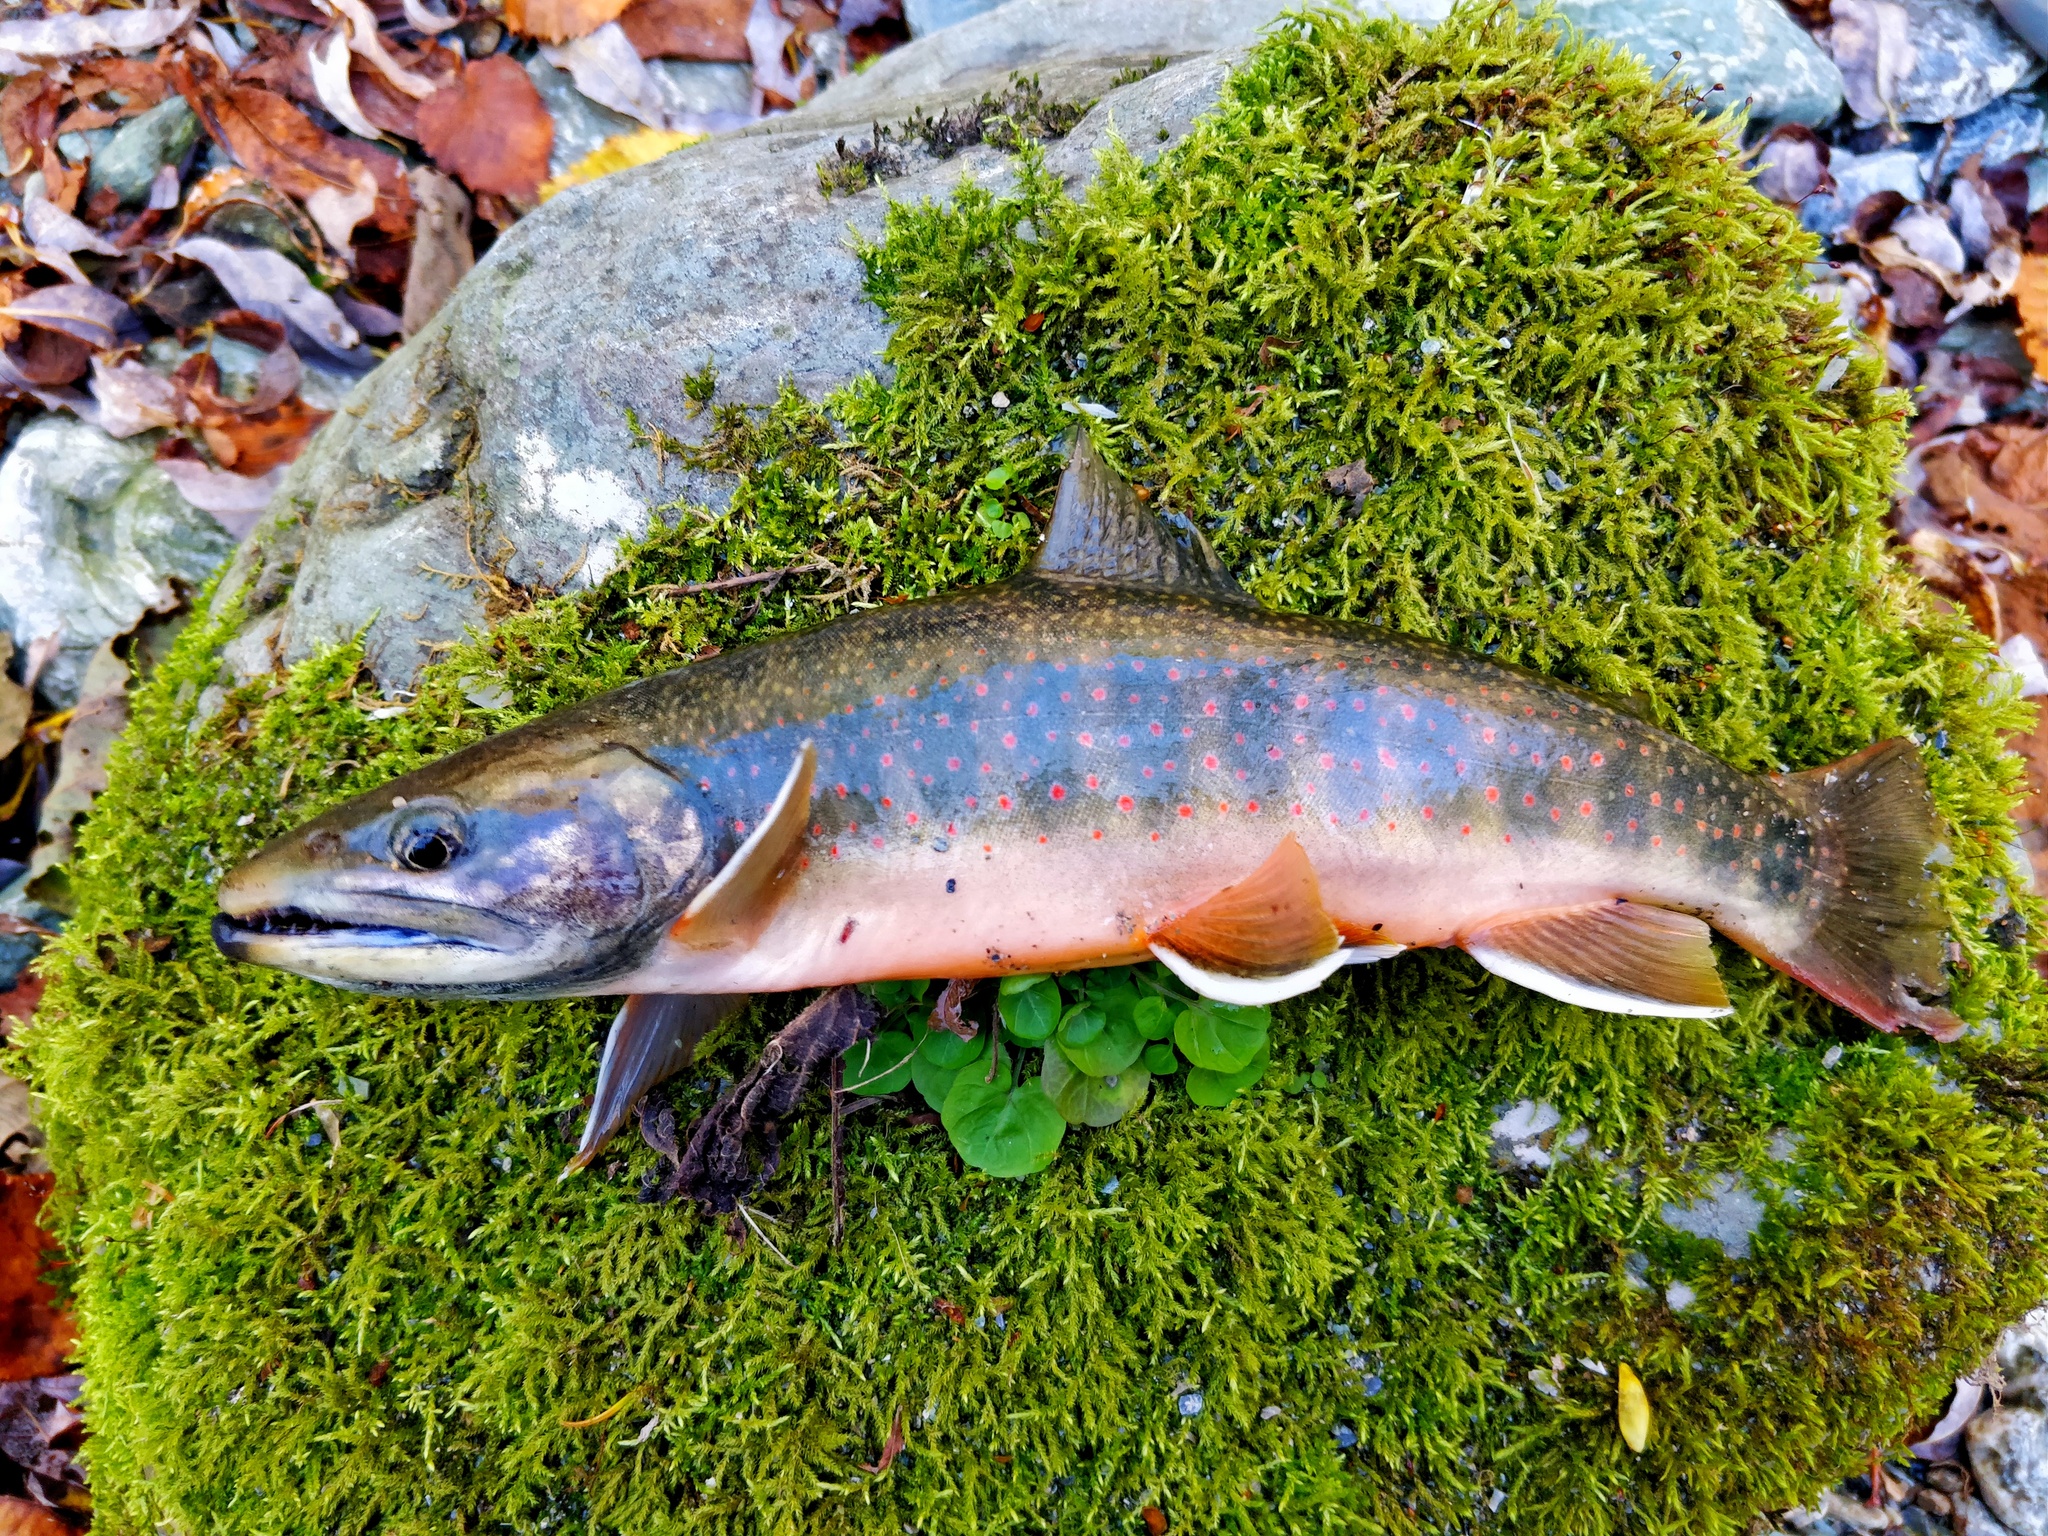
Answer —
93 536
1857 177
142 146
2008 1445
514 397
927 16
1728 1213
2011 126
2029 18
1751 49
1964 58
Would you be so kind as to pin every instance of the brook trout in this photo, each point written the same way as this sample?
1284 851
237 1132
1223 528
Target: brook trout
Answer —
1115 756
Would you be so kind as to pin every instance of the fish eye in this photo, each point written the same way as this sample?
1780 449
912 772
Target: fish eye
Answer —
427 844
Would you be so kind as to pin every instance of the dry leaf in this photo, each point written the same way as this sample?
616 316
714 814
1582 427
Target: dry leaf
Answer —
1631 1409
328 62
67 36
713 30
132 398
442 251
259 442
2031 294
16 702
266 134
490 128
1872 45
24 1517
642 147
35 1338
608 70
1792 165
236 502
557 21
274 287
91 314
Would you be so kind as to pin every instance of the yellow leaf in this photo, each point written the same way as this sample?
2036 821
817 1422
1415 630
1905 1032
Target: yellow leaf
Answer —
2031 290
1632 1409
619 154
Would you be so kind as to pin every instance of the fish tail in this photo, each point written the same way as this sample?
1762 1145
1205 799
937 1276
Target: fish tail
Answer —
1879 944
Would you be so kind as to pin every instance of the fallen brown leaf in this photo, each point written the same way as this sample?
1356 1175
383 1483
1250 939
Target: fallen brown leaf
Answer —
132 85
712 30
892 1447
24 1517
35 1338
28 118
268 136
2031 294
255 444
441 247
556 21
490 128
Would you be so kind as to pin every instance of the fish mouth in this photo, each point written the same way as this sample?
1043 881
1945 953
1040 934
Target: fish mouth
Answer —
241 936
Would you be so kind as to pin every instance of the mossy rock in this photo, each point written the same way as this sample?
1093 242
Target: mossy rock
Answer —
1527 291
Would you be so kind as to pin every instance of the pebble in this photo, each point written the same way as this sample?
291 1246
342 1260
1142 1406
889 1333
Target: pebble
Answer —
142 146
2008 1445
1857 177
1963 57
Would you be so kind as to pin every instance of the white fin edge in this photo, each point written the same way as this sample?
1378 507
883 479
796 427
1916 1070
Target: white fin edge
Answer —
770 829
1599 999
1251 991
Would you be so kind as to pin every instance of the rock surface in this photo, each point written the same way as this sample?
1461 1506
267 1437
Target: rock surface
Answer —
510 408
2009 1444
1751 49
1926 61
92 537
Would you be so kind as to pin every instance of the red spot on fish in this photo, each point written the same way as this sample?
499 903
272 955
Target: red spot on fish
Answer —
888 759
878 699
1052 735
1487 735
1086 738
1391 826
1678 805
876 841
1629 790
1656 842
841 788
1535 758
1003 801
1158 729
1656 797
1597 759
1507 837
1465 830
1493 794
853 827
910 819
1041 837
740 827
1009 738
1251 807
1528 799
953 762
1031 709
1209 761
835 851
1059 791
981 690
1407 711
1585 807
1359 705
972 802
1564 762
1327 760
1273 753
1209 708
1066 698
1101 693
1610 837
1301 701
1124 802
1092 781
1387 759
1556 814
1429 813
1295 808
1097 834
1173 674
1169 765
1735 832
1632 823
1155 837
1187 810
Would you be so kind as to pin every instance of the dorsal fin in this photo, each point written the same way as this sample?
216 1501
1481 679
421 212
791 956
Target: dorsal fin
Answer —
1101 532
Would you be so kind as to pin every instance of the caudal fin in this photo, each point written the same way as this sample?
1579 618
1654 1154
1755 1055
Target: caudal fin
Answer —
1878 947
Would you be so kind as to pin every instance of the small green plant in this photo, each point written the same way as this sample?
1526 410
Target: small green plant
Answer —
1102 1037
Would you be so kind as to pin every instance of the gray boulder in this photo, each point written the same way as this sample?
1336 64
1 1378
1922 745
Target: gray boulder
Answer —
1751 49
2009 1444
510 408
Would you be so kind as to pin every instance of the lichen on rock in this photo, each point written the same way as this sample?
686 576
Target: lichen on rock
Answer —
1463 332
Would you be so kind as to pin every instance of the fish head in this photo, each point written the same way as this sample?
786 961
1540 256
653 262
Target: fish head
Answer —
539 863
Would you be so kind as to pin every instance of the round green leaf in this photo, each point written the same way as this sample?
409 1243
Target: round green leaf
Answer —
941 1057
1004 1129
1221 1037
1153 1017
1032 1012
880 1065
1084 1023
1159 1058
1213 1090
1085 1100
1108 1049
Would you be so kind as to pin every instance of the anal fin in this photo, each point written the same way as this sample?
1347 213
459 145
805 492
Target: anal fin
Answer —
1612 956
652 1039
732 908
1262 939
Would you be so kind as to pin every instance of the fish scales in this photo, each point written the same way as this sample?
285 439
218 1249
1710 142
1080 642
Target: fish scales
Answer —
1040 773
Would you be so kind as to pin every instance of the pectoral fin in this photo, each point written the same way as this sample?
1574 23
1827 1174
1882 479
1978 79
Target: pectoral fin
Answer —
1262 939
1614 956
733 906
652 1039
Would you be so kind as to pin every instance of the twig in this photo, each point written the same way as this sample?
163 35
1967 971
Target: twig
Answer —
749 1215
838 1149
610 1413
727 583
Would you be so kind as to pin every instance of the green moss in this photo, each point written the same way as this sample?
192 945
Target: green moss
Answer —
1570 348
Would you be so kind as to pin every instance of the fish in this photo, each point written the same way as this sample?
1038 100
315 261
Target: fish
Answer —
1113 757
